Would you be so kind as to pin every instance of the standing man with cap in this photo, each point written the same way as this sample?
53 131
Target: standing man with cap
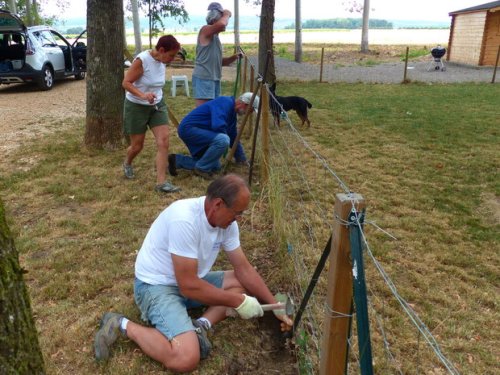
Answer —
209 60
208 131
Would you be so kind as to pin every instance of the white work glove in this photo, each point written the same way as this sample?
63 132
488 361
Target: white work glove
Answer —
250 308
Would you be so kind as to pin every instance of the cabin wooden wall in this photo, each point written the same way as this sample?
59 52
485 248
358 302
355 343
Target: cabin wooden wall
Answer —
491 39
467 38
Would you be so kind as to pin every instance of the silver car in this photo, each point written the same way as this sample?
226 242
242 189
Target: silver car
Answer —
37 54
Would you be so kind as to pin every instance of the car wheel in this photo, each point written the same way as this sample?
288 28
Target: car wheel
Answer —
46 80
79 76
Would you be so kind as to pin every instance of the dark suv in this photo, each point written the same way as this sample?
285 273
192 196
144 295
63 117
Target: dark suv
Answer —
37 54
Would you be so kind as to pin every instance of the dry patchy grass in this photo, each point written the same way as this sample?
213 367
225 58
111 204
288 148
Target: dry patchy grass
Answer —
424 157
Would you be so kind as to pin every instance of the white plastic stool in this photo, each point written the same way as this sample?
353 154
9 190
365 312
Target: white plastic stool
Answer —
179 81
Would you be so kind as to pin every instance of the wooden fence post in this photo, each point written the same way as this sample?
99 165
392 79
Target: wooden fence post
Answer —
496 65
406 65
250 119
321 66
244 77
260 83
334 347
265 134
248 114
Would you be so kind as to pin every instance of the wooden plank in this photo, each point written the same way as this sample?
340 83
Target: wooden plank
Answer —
172 117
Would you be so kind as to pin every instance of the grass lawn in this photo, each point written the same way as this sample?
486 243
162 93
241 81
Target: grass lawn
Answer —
425 158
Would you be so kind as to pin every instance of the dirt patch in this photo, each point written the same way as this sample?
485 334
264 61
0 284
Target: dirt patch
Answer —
490 208
29 113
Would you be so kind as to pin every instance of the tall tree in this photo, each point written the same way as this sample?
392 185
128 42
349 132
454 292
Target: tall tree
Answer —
298 32
19 348
137 27
104 74
364 32
29 15
266 40
236 17
355 6
31 11
12 6
35 11
158 9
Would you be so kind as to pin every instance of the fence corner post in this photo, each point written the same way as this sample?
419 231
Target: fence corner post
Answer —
334 348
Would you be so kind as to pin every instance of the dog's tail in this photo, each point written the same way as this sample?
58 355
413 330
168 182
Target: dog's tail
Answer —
309 105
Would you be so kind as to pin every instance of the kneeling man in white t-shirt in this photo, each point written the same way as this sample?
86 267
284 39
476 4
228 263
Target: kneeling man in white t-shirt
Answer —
173 274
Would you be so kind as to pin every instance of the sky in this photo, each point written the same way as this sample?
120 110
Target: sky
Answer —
422 10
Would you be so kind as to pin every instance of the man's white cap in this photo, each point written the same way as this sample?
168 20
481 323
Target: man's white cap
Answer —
246 97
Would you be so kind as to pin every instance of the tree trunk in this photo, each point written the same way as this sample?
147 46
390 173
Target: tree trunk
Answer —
29 17
104 74
36 14
266 40
19 348
150 26
12 6
364 32
137 27
298 33
236 25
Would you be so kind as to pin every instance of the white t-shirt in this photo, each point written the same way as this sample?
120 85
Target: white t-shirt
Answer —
182 229
152 80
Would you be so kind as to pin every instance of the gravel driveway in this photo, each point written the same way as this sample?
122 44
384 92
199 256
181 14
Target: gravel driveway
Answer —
384 73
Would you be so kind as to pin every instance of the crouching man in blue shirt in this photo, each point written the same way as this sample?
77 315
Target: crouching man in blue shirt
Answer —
208 131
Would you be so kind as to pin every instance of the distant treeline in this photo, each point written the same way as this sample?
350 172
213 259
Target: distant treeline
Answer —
74 30
343 23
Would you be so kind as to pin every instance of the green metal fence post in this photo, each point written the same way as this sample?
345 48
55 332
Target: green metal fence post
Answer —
359 285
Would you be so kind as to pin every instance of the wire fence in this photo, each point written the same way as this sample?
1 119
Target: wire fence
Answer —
302 189
385 66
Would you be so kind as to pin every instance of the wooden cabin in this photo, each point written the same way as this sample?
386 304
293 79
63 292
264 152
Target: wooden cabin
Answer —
475 35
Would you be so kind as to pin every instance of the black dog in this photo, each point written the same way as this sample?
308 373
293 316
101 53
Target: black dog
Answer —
286 103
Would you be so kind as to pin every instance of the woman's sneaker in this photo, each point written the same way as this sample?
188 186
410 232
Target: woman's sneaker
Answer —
128 171
167 187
